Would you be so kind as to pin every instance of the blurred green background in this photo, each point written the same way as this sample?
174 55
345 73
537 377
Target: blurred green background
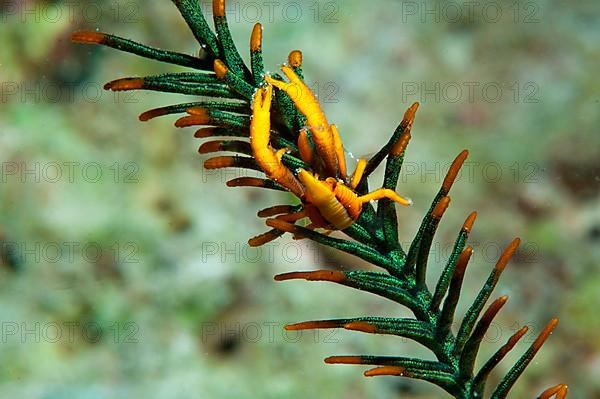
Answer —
125 269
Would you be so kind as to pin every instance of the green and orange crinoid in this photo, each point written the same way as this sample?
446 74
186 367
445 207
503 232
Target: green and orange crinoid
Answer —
277 127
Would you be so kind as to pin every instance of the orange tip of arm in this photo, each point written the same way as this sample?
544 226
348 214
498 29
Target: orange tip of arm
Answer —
220 69
274 211
246 182
361 326
317 275
440 207
193 120
210 146
219 162
539 341
463 260
264 238
409 117
493 310
295 58
385 370
197 111
125 84
312 325
204 132
88 37
512 341
558 391
453 171
281 225
344 360
468 224
507 254
153 113
218 8
256 38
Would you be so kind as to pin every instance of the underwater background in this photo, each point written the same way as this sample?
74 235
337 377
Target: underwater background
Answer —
125 269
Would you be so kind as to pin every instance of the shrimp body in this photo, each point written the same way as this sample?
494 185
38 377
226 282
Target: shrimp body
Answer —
269 160
329 203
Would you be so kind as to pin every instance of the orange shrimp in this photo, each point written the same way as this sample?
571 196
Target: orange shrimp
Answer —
329 203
